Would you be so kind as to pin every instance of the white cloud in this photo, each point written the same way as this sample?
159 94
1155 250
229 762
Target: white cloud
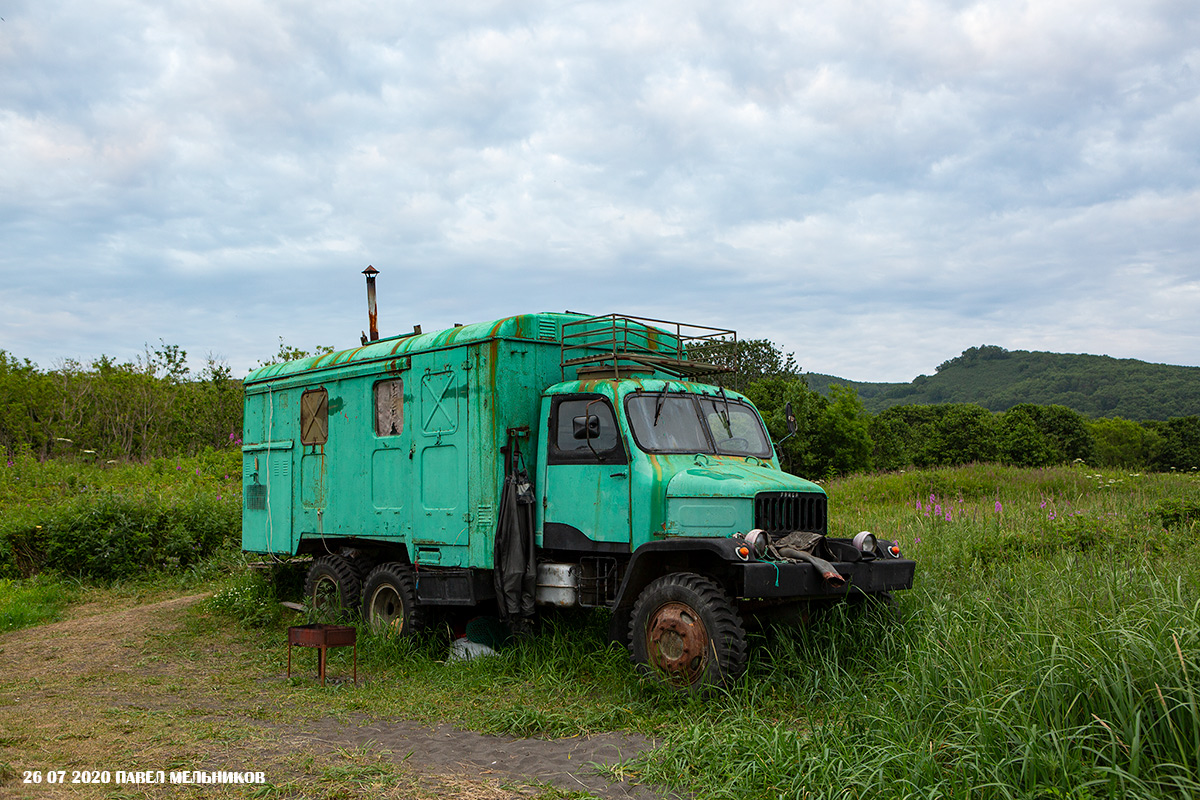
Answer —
877 186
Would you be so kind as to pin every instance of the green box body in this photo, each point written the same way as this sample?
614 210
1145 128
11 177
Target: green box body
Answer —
434 487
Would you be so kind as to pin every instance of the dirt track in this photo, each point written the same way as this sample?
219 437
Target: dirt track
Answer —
124 690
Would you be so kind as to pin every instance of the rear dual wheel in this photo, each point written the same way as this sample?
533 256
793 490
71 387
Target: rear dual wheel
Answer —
685 632
389 599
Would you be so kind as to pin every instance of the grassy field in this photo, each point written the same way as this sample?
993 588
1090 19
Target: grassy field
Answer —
1050 649
119 522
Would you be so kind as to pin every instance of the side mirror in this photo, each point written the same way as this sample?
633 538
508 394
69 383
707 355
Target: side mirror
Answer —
585 427
790 417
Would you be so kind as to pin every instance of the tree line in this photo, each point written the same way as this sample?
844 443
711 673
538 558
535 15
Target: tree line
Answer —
837 436
138 410
155 406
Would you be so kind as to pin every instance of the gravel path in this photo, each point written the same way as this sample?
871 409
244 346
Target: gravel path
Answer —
67 676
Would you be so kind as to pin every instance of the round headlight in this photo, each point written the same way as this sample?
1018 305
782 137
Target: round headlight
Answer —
864 542
758 540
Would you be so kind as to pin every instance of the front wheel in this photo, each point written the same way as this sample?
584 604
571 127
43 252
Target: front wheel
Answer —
686 632
331 587
390 599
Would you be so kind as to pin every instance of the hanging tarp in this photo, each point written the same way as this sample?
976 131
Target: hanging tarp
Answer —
515 573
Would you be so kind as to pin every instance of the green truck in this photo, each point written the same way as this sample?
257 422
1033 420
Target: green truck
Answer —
545 459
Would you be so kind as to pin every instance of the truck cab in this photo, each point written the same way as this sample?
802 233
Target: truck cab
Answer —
693 455
649 486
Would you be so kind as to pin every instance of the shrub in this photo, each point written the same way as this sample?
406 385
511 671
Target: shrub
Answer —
1024 440
1177 512
112 536
1178 447
1120 443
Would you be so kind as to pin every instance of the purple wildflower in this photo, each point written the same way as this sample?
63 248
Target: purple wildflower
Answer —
937 510
918 502
948 517
999 507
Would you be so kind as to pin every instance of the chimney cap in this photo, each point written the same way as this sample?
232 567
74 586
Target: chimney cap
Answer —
370 271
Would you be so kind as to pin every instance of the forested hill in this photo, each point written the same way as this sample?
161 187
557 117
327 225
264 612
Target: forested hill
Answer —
998 379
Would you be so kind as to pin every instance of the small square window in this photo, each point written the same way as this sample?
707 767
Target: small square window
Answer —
389 407
314 417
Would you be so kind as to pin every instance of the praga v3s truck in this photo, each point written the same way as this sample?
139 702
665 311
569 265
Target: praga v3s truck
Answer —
544 459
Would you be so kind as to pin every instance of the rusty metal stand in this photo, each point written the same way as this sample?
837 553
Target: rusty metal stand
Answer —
322 637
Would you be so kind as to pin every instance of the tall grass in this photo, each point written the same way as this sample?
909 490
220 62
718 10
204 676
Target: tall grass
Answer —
567 680
1050 648
1035 699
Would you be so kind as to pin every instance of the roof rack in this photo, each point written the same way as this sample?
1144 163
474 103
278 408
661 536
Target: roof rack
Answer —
620 345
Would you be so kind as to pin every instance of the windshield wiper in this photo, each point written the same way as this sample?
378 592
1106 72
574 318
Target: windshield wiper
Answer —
725 415
658 407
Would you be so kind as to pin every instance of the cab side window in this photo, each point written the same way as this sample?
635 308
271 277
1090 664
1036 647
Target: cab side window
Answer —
583 430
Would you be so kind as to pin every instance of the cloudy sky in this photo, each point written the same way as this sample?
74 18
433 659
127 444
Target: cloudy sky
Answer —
875 185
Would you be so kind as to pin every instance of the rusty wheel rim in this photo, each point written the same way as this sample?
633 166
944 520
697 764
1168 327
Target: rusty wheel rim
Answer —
677 643
387 610
326 595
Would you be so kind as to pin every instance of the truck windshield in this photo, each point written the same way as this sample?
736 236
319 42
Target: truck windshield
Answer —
687 423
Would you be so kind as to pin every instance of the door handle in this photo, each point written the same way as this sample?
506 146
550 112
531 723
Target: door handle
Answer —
619 475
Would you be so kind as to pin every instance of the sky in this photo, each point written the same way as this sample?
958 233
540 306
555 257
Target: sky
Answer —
874 186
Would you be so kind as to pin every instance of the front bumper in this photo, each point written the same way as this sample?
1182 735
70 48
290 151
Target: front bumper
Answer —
770 579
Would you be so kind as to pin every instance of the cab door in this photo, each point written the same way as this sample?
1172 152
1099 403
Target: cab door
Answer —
586 483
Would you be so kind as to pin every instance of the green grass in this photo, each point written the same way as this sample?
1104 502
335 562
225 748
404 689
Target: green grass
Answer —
1050 648
137 530
33 602
565 681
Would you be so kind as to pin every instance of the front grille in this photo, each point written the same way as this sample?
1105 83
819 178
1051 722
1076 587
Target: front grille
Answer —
780 513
